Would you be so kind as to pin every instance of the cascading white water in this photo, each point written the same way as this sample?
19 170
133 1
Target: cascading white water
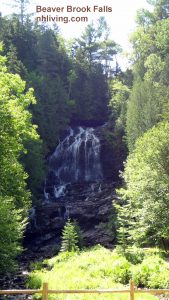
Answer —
59 191
76 159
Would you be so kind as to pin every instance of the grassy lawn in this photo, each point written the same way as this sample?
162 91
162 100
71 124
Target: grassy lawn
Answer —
95 268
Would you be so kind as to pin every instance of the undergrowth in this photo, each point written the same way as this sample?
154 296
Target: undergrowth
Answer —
100 268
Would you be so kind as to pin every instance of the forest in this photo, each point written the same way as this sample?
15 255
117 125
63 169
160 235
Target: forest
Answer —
48 83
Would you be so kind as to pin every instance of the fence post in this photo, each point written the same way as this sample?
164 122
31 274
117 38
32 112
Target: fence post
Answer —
45 291
131 290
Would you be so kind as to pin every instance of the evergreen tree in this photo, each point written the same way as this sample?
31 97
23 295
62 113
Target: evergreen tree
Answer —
92 58
71 237
21 6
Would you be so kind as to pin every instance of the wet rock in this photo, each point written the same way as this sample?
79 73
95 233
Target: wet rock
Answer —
88 203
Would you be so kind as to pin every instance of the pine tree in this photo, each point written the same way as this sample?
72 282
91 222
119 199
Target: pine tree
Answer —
70 237
21 5
123 225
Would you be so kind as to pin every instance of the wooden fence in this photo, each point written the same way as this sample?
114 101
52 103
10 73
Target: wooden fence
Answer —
45 291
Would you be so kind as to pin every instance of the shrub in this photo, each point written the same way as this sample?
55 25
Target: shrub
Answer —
121 270
133 254
159 281
143 272
34 281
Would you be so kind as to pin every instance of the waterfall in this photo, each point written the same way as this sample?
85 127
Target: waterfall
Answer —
75 159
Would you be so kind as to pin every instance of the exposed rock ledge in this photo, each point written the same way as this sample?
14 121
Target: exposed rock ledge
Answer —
88 203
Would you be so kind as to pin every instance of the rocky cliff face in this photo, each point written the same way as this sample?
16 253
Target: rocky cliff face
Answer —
79 186
88 203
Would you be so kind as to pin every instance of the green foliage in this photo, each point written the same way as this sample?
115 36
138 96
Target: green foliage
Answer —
35 281
92 55
143 111
95 268
13 64
142 214
71 237
56 73
120 90
134 255
52 112
159 280
146 273
121 270
79 234
11 232
123 221
97 46
33 162
120 94
148 102
16 130
17 135
147 188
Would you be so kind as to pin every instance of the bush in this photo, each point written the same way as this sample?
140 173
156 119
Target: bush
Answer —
121 270
159 281
133 254
144 273
34 281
